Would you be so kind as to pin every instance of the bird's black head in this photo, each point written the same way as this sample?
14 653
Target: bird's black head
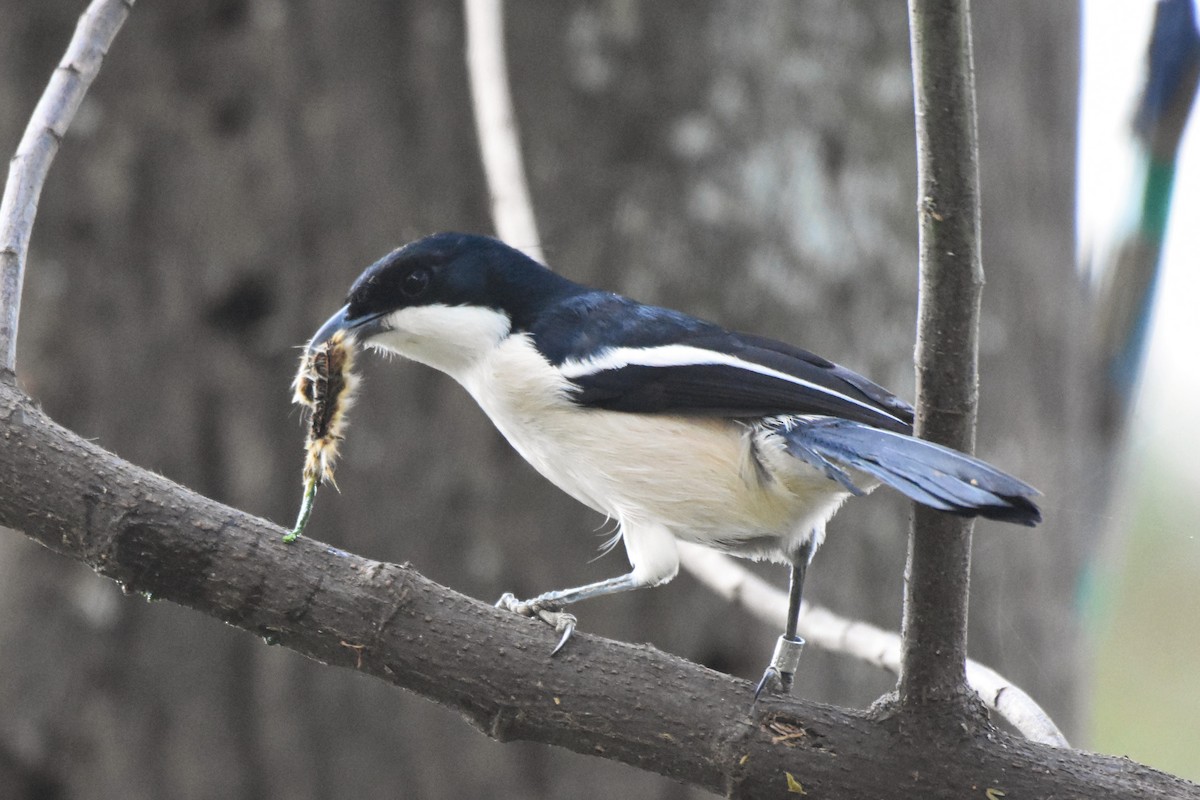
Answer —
453 269
446 284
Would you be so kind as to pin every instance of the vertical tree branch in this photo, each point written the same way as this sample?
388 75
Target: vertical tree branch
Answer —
937 576
495 122
29 166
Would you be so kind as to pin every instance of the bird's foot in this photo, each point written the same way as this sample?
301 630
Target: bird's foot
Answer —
553 615
778 677
773 682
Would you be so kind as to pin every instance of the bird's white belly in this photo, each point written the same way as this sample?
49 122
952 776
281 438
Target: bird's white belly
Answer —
708 480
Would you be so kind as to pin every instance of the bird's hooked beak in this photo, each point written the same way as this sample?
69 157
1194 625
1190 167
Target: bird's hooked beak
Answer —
360 329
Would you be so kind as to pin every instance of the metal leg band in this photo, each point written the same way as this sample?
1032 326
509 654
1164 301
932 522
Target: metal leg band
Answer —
787 654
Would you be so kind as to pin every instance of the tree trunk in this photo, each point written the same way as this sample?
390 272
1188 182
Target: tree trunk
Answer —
237 164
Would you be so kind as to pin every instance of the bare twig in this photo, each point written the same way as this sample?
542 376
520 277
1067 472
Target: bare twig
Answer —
45 131
858 639
499 144
939 555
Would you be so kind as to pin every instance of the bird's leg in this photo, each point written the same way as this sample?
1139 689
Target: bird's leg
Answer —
548 606
790 645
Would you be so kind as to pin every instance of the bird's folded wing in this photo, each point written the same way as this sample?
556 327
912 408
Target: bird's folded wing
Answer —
671 363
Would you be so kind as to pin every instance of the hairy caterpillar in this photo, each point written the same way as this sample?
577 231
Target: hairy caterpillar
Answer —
325 386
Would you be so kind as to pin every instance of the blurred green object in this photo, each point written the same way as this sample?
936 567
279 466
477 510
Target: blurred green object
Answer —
1146 692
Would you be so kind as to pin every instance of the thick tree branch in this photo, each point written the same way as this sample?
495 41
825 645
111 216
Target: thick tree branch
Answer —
27 170
624 702
937 576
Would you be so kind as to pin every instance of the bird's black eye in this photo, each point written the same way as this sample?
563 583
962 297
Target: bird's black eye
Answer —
415 283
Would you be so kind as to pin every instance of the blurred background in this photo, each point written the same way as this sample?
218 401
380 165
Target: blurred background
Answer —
1138 205
238 162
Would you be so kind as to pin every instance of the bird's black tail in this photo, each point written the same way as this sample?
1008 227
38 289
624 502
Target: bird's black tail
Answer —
928 473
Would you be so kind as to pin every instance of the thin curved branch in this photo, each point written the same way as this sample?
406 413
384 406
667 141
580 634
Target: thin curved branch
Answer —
28 168
495 121
857 639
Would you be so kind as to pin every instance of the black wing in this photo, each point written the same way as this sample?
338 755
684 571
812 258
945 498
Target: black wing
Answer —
624 356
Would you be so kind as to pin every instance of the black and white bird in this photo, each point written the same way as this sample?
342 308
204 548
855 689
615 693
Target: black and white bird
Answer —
676 428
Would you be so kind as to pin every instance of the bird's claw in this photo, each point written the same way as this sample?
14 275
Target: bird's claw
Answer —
563 623
526 608
774 682
778 677
552 615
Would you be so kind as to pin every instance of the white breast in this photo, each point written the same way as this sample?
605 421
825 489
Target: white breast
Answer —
713 481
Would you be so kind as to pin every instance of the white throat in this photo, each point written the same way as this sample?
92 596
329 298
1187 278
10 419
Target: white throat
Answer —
448 338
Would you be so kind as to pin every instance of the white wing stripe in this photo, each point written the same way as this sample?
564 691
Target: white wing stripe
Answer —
680 355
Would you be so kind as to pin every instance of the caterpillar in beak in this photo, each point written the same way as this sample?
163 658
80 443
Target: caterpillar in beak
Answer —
325 386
